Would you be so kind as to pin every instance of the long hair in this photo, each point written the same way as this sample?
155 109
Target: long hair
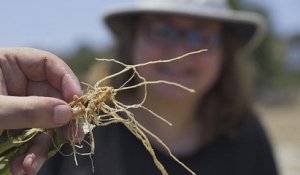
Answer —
228 102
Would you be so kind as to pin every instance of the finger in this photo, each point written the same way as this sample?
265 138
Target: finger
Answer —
37 153
42 88
13 77
34 158
52 69
73 132
16 165
37 65
70 87
32 112
3 90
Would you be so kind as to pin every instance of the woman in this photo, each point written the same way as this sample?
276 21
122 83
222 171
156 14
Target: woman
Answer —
215 129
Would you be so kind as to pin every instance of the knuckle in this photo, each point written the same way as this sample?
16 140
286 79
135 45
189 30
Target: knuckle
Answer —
36 112
30 114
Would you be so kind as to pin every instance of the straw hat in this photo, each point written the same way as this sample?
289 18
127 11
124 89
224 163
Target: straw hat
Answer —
246 27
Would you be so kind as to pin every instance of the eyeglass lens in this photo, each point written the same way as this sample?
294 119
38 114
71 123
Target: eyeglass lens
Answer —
169 35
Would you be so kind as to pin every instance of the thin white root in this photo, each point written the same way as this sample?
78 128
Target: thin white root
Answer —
99 107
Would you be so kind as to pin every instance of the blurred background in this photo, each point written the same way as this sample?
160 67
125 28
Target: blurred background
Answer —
73 30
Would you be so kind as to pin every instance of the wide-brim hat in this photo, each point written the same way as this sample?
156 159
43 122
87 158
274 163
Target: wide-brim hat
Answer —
248 28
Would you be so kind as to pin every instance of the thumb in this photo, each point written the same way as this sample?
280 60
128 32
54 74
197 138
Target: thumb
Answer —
33 112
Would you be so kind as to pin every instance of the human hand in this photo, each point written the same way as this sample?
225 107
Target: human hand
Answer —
35 87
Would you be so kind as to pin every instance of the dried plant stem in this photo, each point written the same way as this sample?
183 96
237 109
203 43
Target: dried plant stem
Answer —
99 107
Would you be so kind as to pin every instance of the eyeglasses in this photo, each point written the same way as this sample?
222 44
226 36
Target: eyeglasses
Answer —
168 35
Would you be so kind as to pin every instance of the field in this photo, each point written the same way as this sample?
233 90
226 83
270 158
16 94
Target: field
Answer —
283 126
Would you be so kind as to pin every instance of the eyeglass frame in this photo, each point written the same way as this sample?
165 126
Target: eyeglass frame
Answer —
211 43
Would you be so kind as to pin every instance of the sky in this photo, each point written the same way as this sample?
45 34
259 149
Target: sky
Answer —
61 26
284 15
54 25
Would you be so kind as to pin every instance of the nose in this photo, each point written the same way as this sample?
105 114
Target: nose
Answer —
181 47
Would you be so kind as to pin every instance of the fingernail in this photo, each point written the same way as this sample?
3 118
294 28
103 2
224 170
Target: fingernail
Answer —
33 162
62 114
29 160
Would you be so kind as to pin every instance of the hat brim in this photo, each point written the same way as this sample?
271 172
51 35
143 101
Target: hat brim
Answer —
246 27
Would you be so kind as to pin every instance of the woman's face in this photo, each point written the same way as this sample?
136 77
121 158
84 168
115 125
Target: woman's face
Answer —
162 37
